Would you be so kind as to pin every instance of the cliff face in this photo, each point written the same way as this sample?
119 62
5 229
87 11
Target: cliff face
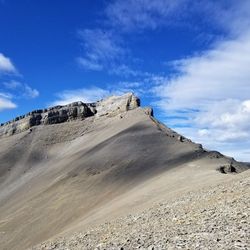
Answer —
77 110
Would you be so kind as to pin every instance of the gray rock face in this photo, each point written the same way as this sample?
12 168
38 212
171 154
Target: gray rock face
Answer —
111 106
115 105
228 169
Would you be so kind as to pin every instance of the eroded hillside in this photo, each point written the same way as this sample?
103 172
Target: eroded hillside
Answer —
74 172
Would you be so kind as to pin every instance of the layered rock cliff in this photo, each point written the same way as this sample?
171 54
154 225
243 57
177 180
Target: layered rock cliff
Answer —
76 110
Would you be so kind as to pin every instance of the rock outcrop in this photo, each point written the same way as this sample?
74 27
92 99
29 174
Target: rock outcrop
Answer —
111 106
117 104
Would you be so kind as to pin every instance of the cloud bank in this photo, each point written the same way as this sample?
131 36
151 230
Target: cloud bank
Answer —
209 94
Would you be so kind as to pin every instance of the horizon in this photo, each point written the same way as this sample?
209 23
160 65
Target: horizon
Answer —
188 61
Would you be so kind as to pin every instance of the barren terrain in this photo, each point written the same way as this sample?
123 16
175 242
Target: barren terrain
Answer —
123 180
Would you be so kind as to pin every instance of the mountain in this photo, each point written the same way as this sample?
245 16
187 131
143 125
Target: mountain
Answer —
69 168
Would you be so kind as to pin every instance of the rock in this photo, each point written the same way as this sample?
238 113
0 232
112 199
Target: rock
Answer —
111 106
117 104
149 111
180 138
227 169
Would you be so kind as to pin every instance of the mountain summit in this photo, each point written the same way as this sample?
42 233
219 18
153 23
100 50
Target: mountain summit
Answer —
68 168
73 111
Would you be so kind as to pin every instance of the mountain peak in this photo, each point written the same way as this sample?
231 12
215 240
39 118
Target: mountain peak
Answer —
109 106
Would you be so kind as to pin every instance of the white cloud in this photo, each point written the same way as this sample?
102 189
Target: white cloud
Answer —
29 92
6 66
12 85
86 95
212 91
12 90
88 64
102 49
125 70
217 74
140 14
21 89
6 102
238 148
233 16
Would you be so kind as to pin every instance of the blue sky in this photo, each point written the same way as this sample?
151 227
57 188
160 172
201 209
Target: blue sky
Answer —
189 60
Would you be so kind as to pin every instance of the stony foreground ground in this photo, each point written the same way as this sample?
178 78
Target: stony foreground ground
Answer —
210 218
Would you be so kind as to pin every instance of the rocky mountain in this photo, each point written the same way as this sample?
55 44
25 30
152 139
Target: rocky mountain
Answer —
70 168
73 111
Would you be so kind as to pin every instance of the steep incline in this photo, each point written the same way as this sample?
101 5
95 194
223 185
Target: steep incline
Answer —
216 217
63 177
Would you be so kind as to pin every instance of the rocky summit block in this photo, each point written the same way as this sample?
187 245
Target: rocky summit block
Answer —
110 106
115 105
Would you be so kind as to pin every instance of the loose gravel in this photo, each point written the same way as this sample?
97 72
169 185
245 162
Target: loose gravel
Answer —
209 218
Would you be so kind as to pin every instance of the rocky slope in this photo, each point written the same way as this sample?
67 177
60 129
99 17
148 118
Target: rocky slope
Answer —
217 217
78 169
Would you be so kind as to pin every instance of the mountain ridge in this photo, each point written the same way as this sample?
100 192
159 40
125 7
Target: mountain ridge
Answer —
63 177
72 111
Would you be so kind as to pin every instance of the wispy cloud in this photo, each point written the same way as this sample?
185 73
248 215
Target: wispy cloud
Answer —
6 102
12 85
139 15
21 89
86 95
88 64
132 15
230 15
94 93
6 65
102 49
105 48
12 91
124 70
30 92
